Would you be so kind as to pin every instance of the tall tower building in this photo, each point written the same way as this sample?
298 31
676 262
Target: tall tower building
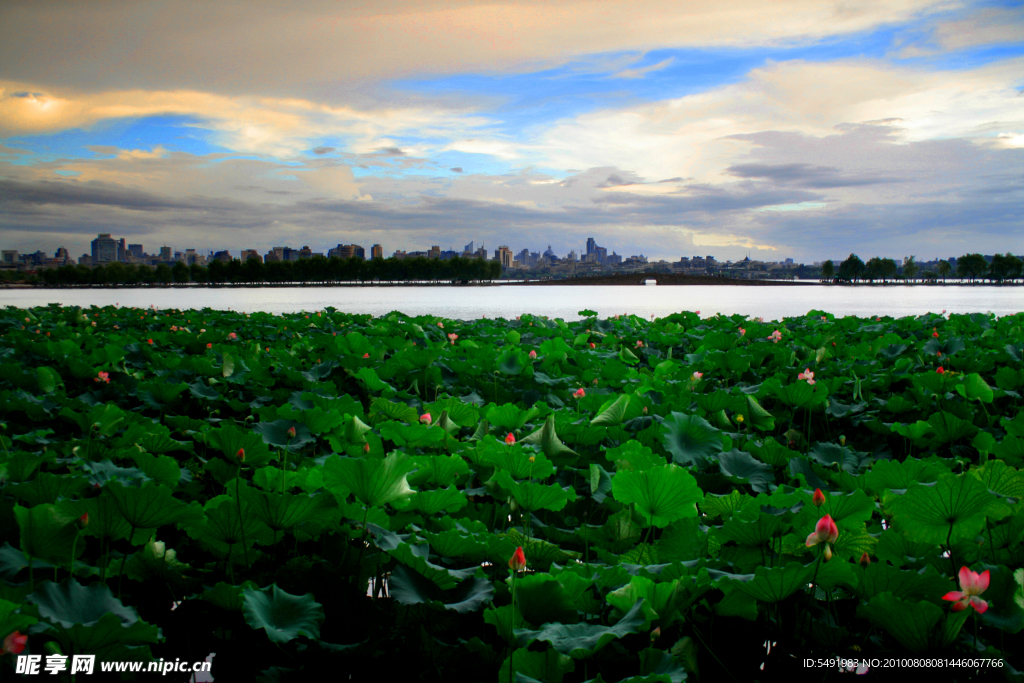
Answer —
591 245
376 252
104 249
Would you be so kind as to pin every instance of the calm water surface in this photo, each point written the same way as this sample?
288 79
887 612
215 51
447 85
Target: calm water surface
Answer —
508 301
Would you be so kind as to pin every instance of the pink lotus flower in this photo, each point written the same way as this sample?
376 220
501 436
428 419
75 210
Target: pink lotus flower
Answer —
83 521
972 585
518 561
366 355
819 498
291 432
452 337
639 344
209 345
940 370
698 312
825 532
807 375
593 345
697 375
103 377
533 354
14 643
232 335
579 393
510 439
775 336
742 331
366 448
865 560
425 419
441 325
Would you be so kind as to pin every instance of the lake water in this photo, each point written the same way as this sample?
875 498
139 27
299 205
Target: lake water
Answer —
508 301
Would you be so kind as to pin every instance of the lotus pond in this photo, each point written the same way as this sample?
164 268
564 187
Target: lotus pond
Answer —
619 499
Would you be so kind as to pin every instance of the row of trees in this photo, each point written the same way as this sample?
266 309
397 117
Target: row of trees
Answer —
316 270
970 267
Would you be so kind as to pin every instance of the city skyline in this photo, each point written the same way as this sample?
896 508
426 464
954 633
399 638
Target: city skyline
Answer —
802 129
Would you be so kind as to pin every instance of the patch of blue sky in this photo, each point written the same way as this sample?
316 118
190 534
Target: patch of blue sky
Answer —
519 101
173 133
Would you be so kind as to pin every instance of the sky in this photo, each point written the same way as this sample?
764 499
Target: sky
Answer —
804 129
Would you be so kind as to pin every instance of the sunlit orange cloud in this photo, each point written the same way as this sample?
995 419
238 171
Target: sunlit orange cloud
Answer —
246 124
313 49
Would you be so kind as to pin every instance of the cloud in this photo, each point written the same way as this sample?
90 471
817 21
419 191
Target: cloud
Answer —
643 71
806 175
323 49
986 26
456 169
323 150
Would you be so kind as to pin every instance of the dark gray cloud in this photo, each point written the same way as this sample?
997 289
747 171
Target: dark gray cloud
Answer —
323 150
456 169
806 175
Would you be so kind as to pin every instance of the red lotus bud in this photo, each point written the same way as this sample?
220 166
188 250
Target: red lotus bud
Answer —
865 561
510 439
240 455
819 498
83 521
518 561
291 432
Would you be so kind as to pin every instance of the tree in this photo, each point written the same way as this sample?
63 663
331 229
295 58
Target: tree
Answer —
971 266
851 269
944 269
828 270
1004 267
180 272
910 269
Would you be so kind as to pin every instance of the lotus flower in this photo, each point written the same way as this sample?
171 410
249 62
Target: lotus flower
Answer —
940 370
83 521
14 643
232 335
593 345
441 325
452 337
972 585
697 375
291 432
533 354
579 393
510 439
518 561
865 560
103 377
935 334
425 419
825 532
775 336
819 498
807 375
366 448
240 455
742 331
150 341
639 344
366 355
209 345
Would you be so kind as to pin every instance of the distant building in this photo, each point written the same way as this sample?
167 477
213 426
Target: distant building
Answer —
591 246
223 256
9 256
504 256
85 260
305 252
104 249
468 249
165 253
376 252
136 251
250 254
435 252
122 250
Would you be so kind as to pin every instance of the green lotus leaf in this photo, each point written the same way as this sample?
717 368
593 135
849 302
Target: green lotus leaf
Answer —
281 511
975 388
881 577
949 428
437 470
829 454
661 494
549 666
282 615
777 583
510 417
511 361
740 467
633 456
1000 478
893 474
46 533
229 439
771 452
954 508
758 417
541 599
514 459
715 505
434 501
412 435
917 626
374 482
149 506
581 641
533 497
616 412
276 434
382 409
690 439
48 488
221 527
547 438
226 596
658 599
